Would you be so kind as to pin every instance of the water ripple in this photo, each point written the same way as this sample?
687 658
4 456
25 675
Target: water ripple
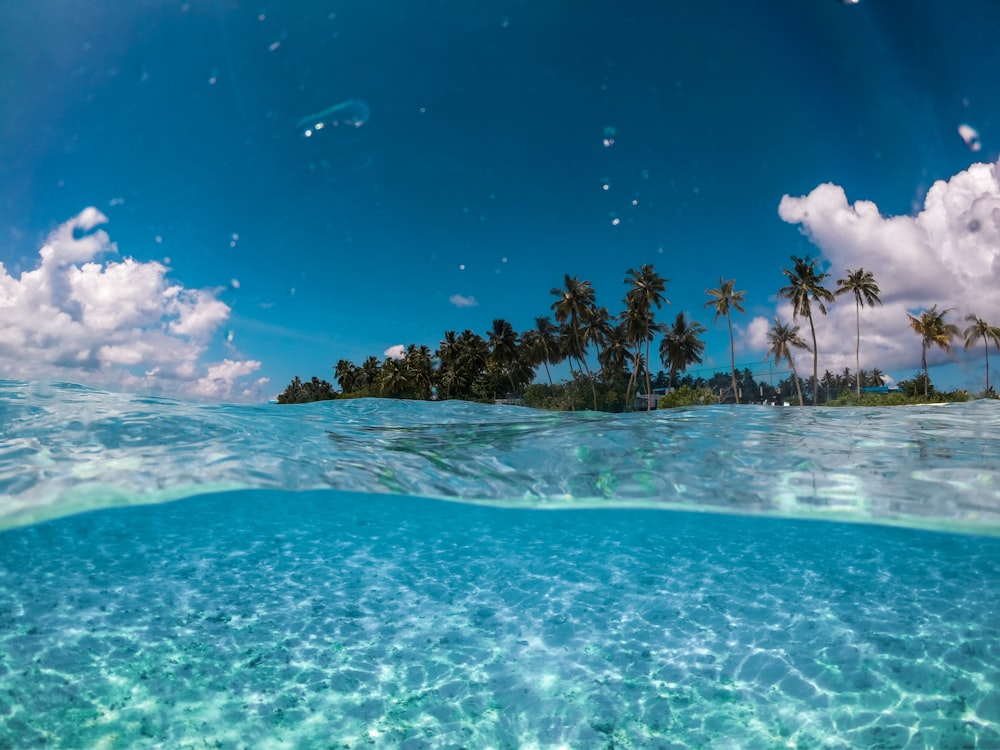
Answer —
66 449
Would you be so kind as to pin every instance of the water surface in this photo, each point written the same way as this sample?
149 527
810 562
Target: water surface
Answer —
376 574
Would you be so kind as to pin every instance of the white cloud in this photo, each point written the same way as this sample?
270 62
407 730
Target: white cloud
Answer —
397 351
948 254
459 300
112 323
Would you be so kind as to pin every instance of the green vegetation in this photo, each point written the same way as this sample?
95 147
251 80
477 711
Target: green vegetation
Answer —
687 396
502 365
298 392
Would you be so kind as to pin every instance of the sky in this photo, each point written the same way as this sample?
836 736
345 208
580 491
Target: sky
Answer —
206 198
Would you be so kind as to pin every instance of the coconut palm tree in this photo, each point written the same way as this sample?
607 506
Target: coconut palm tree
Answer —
419 370
725 299
980 329
597 328
371 370
932 329
782 338
346 373
503 345
647 292
681 347
573 307
471 357
865 289
392 379
540 345
805 286
614 355
635 327
447 355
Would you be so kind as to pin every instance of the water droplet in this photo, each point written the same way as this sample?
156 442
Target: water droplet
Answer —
971 137
352 113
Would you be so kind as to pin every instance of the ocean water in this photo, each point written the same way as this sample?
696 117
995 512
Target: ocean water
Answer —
442 575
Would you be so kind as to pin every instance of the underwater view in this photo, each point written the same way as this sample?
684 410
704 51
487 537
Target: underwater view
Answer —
499 375
374 573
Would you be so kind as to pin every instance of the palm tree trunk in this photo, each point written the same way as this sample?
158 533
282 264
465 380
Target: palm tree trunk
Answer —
986 350
798 385
630 388
812 328
923 361
732 357
547 373
857 352
649 383
583 361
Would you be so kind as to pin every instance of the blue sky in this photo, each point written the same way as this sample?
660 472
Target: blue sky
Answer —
239 253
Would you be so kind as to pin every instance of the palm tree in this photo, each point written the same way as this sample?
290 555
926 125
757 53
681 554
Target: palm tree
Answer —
782 337
503 345
646 292
471 356
980 329
346 373
932 329
635 326
447 354
862 283
614 356
805 285
541 345
419 370
392 379
724 300
681 346
575 305
371 369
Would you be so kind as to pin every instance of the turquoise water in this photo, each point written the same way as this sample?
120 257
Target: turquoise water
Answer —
313 582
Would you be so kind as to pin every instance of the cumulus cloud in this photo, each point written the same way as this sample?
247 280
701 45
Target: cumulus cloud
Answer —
459 300
83 317
948 254
397 351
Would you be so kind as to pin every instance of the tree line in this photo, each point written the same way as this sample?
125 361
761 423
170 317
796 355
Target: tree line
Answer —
504 363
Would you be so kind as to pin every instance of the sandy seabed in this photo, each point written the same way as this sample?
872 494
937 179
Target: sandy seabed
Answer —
337 620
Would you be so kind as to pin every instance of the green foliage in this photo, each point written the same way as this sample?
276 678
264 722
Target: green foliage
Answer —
298 392
687 396
912 395
576 395
919 386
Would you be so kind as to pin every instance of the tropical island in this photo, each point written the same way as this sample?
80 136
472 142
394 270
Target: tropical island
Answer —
502 366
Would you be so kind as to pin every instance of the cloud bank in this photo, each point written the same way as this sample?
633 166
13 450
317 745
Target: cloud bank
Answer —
113 324
948 254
